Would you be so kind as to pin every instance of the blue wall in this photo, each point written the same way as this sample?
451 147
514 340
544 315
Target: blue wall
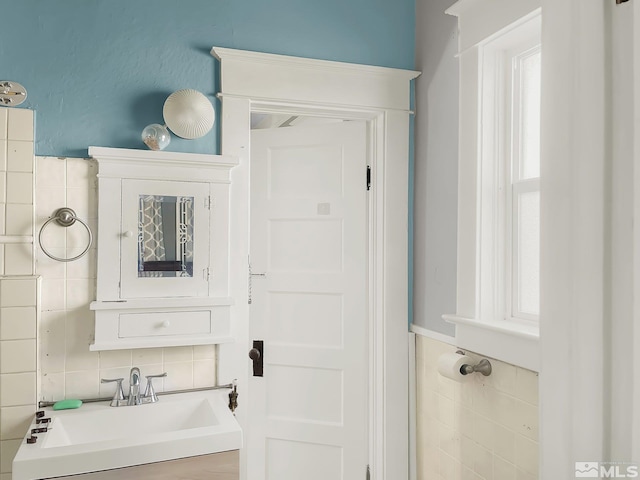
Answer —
98 71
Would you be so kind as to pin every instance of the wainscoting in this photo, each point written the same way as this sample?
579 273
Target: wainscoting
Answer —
481 428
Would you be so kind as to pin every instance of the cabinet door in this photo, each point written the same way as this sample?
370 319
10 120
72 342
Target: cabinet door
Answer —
165 239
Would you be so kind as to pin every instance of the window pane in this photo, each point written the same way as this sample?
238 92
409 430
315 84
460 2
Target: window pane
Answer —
530 115
527 263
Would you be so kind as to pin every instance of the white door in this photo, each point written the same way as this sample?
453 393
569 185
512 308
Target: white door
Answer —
308 414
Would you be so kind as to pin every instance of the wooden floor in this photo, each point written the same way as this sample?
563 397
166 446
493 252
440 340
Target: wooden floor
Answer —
218 466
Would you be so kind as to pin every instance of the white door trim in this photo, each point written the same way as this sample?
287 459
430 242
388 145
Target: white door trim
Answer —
269 83
635 440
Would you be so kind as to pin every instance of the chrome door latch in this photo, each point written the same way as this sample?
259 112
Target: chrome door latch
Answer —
233 397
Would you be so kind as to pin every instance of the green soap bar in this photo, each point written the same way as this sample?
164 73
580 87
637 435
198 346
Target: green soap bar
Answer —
67 404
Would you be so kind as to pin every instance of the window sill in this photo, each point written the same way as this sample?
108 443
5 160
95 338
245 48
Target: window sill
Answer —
512 343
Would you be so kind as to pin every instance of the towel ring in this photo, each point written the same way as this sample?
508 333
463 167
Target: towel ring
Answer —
65 217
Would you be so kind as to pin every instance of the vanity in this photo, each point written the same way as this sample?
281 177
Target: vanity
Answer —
163 254
186 435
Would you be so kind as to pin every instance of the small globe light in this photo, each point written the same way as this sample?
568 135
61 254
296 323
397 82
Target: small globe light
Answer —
156 136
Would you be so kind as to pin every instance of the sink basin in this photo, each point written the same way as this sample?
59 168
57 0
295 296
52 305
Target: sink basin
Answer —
99 437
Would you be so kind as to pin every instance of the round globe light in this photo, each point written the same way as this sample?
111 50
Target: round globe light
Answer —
188 114
156 136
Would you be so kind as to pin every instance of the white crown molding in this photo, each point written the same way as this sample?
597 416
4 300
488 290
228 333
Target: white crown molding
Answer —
146 156
295 79
299 62
149 164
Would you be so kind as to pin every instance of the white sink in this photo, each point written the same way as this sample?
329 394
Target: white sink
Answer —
99 437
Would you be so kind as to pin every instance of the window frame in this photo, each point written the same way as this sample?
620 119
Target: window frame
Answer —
481 321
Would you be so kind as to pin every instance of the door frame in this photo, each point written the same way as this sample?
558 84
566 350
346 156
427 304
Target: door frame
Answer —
267 83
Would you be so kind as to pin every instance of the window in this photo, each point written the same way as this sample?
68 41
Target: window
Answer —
499 181
523 198
510 79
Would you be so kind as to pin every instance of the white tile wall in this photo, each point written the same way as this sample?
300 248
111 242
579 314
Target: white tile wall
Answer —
485 428
18 357
18 259
20 187
18 219
19 155
69 369
17 323
46 329
20 126
19 292
4 112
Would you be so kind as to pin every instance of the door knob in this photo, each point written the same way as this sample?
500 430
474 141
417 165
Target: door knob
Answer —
257 355
254 354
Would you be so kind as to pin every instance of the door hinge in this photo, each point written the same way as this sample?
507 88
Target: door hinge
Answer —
207 202
206 273
368 476
368 177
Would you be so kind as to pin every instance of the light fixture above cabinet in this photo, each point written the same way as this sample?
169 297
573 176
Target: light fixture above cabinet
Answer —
162 279
187 113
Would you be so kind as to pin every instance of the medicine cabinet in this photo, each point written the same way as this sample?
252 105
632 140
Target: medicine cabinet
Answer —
163 249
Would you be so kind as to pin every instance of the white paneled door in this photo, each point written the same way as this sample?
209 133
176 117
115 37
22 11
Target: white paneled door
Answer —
308 413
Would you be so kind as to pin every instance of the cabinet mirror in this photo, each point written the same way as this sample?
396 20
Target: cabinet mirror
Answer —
165 236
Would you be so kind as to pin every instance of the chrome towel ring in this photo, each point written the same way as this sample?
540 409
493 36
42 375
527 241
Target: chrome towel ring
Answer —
65 217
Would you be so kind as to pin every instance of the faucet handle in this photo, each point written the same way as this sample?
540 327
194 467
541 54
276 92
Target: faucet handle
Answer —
118 396
150 392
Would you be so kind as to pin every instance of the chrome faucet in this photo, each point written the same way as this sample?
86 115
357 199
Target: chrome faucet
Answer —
134 398
134 387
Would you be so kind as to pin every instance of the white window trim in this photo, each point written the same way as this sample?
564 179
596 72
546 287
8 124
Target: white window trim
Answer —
477 327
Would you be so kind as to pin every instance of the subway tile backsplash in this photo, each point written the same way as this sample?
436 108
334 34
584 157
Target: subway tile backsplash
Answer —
482 428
